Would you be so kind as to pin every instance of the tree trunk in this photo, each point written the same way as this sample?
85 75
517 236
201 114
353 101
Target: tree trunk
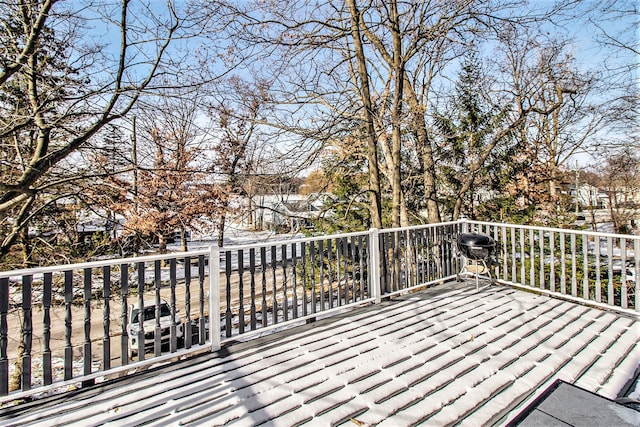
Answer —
162 243
26 247
10 239
183 239
457 207
375 205
250 210
221 225
396 117
425 154
592 211
552 184
404 213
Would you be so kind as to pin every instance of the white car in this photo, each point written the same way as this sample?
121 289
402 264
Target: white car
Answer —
149 319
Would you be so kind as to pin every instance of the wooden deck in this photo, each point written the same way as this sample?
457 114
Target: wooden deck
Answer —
462 356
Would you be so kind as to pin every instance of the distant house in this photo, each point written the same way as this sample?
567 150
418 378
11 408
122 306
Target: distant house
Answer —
483 193
624 197
87 229
290 212
589 196
72 222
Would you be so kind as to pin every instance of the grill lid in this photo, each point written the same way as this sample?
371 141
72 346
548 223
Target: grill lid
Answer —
476 246
476 240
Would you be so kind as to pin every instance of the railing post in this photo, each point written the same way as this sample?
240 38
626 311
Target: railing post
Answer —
27 331
214 297
4 336
374 264
68 300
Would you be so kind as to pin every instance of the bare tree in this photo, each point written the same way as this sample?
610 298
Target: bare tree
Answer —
616 24
60 89
416 46
172 192
568 119
560 106
362 82
620 175
233 141
330 42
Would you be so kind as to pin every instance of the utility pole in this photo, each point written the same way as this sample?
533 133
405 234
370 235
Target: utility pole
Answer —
134 160
577 176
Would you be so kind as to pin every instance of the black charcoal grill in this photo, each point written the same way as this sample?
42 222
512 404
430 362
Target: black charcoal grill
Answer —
478 249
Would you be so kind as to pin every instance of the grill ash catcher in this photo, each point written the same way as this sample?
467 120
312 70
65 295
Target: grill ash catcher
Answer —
476 249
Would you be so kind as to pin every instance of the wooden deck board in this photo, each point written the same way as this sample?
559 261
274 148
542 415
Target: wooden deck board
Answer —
464 355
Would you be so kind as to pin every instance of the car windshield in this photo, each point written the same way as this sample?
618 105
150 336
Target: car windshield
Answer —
150 313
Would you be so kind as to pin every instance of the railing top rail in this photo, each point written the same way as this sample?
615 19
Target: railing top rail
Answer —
257 245
417 227
101 263
281 242
331 236
557 230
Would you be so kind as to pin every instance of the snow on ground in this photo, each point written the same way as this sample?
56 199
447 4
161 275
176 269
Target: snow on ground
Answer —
57 369
234 235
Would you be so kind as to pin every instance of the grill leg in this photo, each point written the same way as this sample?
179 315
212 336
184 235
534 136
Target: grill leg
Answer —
486 268
475 272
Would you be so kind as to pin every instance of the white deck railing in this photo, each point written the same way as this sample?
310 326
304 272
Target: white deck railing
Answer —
71 324
597 268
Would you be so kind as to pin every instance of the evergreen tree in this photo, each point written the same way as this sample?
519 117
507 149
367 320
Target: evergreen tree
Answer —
475 147
32 124
347 208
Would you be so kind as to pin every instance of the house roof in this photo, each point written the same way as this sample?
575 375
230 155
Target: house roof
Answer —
568 405
477 357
